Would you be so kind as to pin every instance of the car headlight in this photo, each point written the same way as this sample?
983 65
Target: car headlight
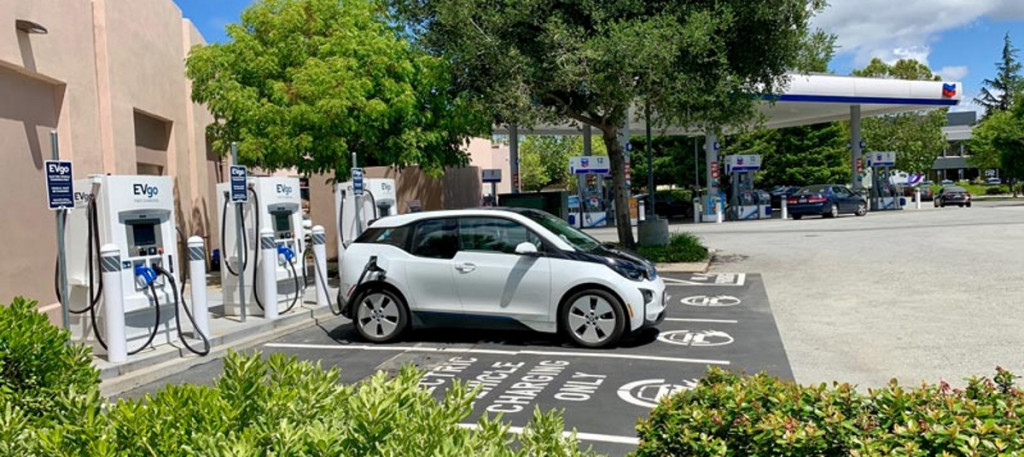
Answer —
627 271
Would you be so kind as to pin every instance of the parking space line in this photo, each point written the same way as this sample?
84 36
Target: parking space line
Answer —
354 347
580 435
713 321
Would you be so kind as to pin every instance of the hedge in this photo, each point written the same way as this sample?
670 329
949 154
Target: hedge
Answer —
276 406
729 415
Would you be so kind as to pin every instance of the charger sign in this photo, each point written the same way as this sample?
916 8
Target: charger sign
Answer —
60 191
238 187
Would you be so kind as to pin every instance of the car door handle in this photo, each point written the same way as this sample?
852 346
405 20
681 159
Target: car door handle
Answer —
465 267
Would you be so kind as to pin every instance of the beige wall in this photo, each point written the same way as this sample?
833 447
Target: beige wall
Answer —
109 76
485 154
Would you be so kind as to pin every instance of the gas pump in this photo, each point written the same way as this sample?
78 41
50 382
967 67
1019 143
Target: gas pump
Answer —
592 210
379 200
744 200
135 216
275 203
764 204
883 194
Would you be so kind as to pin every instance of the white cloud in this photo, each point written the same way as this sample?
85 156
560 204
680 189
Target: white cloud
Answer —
956 73
891 30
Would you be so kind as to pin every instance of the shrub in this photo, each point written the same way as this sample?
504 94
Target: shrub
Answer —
726 415
997 190
682 247
39 369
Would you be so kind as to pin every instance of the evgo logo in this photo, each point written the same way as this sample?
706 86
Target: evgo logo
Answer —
145 190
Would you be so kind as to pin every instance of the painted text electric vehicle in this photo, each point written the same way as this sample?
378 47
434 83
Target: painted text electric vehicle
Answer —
495 268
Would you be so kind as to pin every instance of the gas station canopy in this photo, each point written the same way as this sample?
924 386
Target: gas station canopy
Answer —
817 98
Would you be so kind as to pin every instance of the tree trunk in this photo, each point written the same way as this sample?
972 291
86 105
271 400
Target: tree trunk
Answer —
618 163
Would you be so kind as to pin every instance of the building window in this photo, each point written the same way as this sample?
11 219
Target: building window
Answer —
152 137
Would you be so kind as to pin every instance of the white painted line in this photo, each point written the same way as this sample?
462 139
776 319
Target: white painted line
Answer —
713 321
617 439
599 355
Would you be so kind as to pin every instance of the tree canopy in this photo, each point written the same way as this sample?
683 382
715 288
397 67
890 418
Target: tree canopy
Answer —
589 61
998 93
916 137
303 83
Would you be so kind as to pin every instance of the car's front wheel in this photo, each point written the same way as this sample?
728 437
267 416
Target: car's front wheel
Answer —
593 318
381 315
797 217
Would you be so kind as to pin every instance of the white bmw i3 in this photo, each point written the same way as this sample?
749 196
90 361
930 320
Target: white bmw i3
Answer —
495 268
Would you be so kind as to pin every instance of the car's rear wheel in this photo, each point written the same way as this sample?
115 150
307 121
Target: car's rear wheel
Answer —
797 217
593 318
942 204
968 204
833 211
381 315
862 209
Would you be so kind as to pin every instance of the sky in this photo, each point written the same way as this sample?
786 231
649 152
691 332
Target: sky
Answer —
961 40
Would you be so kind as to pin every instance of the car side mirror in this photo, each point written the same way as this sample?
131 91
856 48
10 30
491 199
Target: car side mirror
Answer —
526 248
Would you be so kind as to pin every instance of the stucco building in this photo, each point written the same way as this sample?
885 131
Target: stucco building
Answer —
108 76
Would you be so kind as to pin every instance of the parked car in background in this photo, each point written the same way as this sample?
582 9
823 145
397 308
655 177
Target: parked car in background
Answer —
927 194
993 181
946 182
952 195
671 207
781 192
826 200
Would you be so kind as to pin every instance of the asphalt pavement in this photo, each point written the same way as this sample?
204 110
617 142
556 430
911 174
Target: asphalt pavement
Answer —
918 295
721 319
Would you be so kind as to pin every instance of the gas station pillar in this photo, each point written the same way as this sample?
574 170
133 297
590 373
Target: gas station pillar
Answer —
856 149
712 160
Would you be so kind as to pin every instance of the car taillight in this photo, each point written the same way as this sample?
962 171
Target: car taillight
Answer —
816 199
793 201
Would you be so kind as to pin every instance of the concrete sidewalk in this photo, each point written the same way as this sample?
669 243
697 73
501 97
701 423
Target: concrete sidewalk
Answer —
227 333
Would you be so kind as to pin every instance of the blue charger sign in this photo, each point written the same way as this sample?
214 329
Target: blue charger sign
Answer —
357 182
239 193
60 187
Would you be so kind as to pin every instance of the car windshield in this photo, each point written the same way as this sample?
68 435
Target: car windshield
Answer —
811 190
563 230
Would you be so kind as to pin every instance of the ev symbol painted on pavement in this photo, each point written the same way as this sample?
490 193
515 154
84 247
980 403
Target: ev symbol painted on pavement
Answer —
697 339
709 301
646 393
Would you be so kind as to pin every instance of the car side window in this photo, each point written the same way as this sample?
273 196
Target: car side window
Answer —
436 239
494 234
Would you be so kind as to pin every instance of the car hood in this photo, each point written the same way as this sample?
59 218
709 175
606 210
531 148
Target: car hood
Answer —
608 255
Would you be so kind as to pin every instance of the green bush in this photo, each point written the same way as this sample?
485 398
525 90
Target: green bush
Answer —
997 190
38 366
728 415
282 407
50 405
682 247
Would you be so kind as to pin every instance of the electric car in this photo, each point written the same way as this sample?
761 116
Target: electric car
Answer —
495 268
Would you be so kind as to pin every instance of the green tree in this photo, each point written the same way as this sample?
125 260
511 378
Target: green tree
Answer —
916 137
533 175
796 156
985 155
588 62
303 83
1007 83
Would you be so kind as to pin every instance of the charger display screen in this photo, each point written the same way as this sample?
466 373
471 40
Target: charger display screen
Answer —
144 234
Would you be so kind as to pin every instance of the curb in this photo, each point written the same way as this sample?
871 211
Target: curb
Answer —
177 361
